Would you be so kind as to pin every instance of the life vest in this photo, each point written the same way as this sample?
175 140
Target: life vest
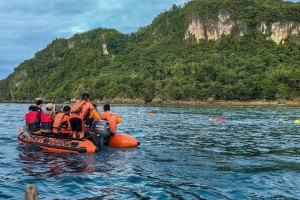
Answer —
81 109
46 121
32 121
77 107
112 120
61 124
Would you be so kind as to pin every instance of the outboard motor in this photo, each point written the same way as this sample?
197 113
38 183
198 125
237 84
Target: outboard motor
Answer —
100 130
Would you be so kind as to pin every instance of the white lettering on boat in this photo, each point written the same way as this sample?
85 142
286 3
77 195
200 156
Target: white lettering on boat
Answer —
51 141
60 142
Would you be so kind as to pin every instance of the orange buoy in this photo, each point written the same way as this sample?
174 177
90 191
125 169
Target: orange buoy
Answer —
122 140
118 119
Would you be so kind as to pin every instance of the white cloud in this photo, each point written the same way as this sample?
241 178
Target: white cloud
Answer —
28 26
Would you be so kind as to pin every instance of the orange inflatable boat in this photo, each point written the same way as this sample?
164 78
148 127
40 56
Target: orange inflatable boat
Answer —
97 138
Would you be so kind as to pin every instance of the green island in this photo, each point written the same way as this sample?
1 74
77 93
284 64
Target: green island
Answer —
207 50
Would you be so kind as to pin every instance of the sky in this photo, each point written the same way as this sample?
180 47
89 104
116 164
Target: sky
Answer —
28 26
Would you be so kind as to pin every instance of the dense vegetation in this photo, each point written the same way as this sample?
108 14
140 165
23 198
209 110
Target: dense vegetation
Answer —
156 61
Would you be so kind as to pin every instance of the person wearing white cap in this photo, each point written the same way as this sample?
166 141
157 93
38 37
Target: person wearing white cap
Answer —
47 118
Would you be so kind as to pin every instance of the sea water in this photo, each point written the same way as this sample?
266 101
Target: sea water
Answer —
183 155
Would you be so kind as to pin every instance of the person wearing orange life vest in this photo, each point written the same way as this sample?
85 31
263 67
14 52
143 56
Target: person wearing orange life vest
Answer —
47 118
61 124
32 121
112 119
80 111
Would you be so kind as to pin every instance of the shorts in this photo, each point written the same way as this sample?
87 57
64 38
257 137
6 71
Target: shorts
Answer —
77 124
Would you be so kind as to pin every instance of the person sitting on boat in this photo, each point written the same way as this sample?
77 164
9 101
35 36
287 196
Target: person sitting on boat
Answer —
32 121
58 109
89 121
47 118
79 112
61 124
112 119
38 107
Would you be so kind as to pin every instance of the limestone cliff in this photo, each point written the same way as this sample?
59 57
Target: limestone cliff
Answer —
211 29
281 31
214 29
104 49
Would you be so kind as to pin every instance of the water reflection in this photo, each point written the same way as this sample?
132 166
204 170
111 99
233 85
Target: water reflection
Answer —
45 164
37 162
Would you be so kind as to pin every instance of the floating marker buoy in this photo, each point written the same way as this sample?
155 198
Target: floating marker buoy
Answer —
297 121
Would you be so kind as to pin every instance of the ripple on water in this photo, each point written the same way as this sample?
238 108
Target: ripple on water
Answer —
182 156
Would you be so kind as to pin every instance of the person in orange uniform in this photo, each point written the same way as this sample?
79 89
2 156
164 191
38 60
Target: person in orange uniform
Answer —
80 111
61 124
32 121
112 119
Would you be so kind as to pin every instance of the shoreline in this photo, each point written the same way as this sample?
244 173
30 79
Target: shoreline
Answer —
232 103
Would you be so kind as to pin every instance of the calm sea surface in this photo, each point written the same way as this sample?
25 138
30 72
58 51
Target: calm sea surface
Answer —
182 156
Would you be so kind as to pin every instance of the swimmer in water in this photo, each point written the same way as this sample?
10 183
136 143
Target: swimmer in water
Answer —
214 119
218 120
150 114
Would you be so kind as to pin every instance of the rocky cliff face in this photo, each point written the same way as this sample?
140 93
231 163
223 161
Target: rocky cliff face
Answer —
281 31
104 49
214 29
210 30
